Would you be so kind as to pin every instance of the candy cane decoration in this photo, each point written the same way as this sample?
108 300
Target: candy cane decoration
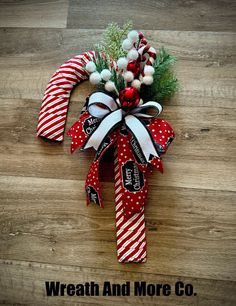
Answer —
147 53
131 239
113 116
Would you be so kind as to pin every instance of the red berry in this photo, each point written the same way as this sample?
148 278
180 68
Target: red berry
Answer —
134 67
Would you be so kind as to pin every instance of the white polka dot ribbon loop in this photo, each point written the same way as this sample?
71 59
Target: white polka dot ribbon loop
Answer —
103 106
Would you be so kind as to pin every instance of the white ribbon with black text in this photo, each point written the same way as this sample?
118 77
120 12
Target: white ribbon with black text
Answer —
104 107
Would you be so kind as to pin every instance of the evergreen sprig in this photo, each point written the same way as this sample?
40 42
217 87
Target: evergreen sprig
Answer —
165 83
101 62
112 40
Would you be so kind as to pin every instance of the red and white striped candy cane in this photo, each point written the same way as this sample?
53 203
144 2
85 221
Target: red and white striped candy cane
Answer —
131 239
147 54
53 112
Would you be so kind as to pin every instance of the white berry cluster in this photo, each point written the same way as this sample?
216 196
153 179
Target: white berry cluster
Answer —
96 77
130 45
148 75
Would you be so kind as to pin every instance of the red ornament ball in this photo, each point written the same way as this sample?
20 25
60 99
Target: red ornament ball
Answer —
129 98
134 67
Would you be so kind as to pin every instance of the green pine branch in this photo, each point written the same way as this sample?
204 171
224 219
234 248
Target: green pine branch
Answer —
110 49
111 43
101 62
165 83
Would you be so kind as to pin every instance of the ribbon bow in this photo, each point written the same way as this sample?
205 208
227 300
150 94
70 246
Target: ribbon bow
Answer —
139 139
105 108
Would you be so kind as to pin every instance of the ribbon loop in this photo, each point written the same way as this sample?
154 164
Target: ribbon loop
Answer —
137 111
108 123
100 104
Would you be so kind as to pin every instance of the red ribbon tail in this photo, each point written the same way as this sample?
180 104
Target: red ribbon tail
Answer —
92 185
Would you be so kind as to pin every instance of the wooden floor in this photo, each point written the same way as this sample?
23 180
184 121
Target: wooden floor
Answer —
46 231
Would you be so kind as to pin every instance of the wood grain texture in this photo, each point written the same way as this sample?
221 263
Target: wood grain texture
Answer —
186 228
46 231
31 13
203 15
32 276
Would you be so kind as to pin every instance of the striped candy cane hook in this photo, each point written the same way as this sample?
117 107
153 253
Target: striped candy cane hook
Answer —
147 54
131 238
54 108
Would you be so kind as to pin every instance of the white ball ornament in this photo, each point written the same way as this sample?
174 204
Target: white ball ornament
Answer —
132 54
91 67
149 70
133 36
122 63
136 84
95 78
127 44
147 79
110 86
106 74
128 76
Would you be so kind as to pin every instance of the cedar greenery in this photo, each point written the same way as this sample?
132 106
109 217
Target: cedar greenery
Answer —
112 40
118 80
101 62
165 83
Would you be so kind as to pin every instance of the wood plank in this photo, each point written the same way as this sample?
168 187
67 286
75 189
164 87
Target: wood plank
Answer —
40 14
206 66
189 231
188 15
186 173
29 279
